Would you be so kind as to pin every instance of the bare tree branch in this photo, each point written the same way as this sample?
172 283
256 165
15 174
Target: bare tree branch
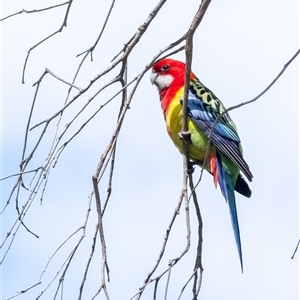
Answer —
34 10
64 24
65 133
104 267
64 81
23 291
186 137
91 49
255 98
88 263
296 249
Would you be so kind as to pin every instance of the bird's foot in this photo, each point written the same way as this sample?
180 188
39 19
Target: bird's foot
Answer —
191 168
185 136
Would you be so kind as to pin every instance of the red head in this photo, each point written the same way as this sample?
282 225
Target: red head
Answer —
168 75
168 71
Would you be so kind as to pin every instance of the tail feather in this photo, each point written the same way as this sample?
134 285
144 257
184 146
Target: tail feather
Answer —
227 189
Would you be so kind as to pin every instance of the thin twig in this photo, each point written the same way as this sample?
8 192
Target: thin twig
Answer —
33 11
20 173
162 251
185 285
23 291
295 250
91 49
168 282
57 250
104 267
255 98
198 261
64 24
63 80
88 263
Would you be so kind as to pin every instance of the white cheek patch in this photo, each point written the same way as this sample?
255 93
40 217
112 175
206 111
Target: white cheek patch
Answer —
163 81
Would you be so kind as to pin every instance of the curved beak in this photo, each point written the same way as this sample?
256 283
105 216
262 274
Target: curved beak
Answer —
153 77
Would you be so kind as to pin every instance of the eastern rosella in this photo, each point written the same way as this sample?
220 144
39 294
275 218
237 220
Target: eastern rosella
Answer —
224 157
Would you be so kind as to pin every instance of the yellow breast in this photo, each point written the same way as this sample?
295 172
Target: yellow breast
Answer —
199 141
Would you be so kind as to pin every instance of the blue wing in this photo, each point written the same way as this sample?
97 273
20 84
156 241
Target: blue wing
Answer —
204 108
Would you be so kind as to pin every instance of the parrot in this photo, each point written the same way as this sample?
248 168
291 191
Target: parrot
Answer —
218 151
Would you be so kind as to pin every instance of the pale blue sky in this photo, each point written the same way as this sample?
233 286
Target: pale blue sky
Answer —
239 48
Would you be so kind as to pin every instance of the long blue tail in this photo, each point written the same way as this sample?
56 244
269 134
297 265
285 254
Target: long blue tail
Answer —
227 189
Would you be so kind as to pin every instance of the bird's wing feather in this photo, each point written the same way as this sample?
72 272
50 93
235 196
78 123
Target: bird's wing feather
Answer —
204 108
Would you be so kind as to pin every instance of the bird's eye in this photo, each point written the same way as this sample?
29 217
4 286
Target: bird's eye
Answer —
165 68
